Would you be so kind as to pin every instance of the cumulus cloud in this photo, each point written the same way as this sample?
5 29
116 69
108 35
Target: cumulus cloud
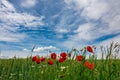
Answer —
28 3
41 49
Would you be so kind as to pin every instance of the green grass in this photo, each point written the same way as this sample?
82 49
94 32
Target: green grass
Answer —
25 69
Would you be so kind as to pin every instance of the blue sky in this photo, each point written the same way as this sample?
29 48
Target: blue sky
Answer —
57 25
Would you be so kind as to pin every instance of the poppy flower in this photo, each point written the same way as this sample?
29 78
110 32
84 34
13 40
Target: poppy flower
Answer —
34 58
79 58
61 59
38 60
90 66
63 55
86 63
50 62
42 59
89 49
53 55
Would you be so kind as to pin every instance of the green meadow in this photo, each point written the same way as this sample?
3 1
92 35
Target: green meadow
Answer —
105 68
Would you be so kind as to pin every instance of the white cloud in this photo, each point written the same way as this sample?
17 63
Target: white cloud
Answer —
77 4
62 26
83 32
18 54
11 20
95 9
28 3
6 6
60 30
65 22
85 9
107 11
41 49
82 35
91 9
9 16
25 49
107 42
112 18
7 33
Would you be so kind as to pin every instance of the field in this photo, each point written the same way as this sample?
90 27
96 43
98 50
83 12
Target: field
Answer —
72 68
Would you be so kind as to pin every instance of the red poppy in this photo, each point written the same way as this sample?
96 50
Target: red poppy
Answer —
42 59
86 63
50 62
79 58
38 60
61 59
53 55
34 58
91 66
89 48
63 55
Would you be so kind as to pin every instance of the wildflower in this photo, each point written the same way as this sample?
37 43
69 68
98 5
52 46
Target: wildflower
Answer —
63 55
86 63
79 58
62 68
53 55
42 59
34 58
38 60
61 59
50 62
89 48
89 65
